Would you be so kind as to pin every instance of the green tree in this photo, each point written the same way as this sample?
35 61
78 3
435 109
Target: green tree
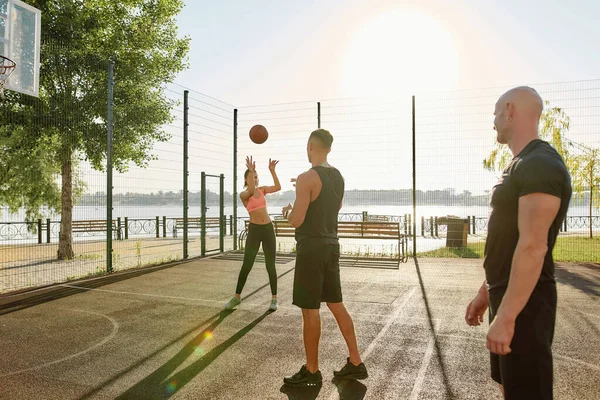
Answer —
79 39
587 178
582 162
554 124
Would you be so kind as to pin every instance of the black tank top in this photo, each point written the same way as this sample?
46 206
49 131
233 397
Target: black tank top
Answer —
320 224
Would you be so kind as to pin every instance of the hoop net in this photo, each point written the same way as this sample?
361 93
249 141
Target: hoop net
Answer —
7 66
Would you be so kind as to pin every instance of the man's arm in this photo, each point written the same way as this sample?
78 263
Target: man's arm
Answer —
303 192
537 211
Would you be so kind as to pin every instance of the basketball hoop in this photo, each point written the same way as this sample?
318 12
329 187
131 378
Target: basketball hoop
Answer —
7 66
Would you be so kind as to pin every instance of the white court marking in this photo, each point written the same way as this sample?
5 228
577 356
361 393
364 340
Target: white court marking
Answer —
108 338
158 296
579 311
566 358
334 394
418 386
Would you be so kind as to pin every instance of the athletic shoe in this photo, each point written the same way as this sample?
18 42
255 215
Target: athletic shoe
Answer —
234 302
351 371
304 378
274 305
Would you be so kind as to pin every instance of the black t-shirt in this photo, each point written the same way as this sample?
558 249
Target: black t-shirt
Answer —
320 224
538 168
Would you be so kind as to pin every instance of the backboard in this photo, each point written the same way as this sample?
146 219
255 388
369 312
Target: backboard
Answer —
20 35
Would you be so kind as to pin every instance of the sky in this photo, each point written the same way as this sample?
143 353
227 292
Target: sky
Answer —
264 52
363 60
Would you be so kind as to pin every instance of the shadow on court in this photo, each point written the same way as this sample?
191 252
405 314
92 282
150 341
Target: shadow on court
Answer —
584 278
162 384
438 352
347 390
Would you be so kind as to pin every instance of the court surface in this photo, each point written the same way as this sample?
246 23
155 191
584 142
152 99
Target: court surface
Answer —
161 333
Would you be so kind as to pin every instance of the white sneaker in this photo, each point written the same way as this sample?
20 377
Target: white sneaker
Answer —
274 305
234 302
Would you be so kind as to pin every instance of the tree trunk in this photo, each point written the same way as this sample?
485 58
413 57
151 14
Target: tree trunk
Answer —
65 243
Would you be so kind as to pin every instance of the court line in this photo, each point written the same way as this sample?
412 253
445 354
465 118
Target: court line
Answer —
575 360
159 296
418 386
579 311
334 393
108 338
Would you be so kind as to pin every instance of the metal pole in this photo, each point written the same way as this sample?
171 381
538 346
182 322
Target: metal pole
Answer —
414 162
222 215
203 214
186 172
234 202
109 168
319 114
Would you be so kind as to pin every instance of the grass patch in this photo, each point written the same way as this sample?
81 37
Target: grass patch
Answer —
576 249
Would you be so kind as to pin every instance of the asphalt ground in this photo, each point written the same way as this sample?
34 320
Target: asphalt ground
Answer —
160 333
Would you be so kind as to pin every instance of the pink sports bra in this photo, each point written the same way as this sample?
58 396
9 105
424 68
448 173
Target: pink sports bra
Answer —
256 203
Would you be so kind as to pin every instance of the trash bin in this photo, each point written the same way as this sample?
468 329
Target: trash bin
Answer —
458 229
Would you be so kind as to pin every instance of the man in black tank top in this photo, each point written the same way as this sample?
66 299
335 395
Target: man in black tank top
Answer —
319 195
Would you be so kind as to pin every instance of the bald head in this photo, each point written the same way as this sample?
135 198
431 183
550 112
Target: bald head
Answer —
525 101
518 113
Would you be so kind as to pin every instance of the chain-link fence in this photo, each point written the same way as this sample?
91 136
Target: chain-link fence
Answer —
418 172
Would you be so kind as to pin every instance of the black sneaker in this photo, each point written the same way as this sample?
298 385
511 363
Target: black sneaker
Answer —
351 371
304 378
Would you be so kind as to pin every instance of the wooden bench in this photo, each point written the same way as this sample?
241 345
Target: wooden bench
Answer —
95 225
378 218
196 223
349 230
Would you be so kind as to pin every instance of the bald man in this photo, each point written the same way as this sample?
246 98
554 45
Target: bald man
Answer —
528 203
319 196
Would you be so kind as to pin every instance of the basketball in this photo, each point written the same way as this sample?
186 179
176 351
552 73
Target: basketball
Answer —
259 134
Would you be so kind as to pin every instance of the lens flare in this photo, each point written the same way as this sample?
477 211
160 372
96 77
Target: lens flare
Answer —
171 387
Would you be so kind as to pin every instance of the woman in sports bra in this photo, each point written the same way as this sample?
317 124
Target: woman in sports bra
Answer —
260 230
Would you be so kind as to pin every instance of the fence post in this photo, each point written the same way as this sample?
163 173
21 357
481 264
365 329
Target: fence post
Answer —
157 227
474 225
203 214
414 171
126 227
119 228
437 234
422 226
39 227
109 168
319 115
234 201
186 172
365 215
222 222
48 231
164 226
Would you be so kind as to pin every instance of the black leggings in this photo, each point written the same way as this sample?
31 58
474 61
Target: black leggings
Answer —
258 234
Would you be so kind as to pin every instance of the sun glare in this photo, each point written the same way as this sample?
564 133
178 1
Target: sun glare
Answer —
400 52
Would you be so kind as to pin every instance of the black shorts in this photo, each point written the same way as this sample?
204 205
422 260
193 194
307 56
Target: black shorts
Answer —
317 277
527 371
